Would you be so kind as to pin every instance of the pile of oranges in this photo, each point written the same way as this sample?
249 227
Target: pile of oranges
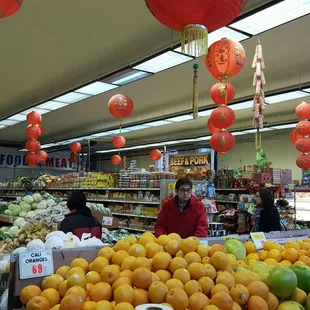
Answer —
182 274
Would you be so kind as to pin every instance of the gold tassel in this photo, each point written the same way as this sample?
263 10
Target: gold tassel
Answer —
195 40
195 92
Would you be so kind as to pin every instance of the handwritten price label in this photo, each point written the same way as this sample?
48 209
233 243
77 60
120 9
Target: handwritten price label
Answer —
107 221
259 239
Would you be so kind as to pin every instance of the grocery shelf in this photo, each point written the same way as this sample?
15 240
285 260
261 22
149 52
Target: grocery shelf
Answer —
226 201
136 229
232 189
84 188
125 201
134 215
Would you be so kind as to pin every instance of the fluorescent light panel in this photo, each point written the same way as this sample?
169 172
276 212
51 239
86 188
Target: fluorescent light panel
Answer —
36 109
306 89
255 130
285 97
52 105
238 133
273 16
205 113
242 105
96 88
72 97
137 127
287 126
157 123
18 117
8 122
126 76
181 118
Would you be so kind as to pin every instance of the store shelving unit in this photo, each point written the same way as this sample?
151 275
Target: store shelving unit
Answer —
302 204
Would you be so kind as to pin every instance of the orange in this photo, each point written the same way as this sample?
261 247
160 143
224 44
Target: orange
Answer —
271 261
219 260
257 303
126 273
56 307
120 281
124 293
236 306
258 288
299 296
131 239
101 291
286 263
232 261
263 255
303 252
118 258
38 303
137 250
210 271
88 288
275 254
250 247
211 307
225 278
305 246
75 270
90 305
93 277
161 260
172 247
146 239
155 277
99 263
52 296
162 240
176 263
219 288
142 278
29 292
239 294
141 297
107 252
72 301
206 285
182 274
127 263
158 292
175 236
124 306
77 291
206 260
242 264
222 301
191 287
163 275
77 280
103 305
292 244
192 257
174 283
203 250
242 277
177 298
252 256
217 248
141 262
121 245
80 262
62 271
299 263
272 301
109 274
196 270
179 254
305 259
151 249
52 282
198 301
268 245
63 288
188 245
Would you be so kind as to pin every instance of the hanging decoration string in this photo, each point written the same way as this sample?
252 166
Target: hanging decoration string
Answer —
195 91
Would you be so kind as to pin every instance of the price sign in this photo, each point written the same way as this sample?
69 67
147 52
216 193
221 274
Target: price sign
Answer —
259 239
36 264
107 221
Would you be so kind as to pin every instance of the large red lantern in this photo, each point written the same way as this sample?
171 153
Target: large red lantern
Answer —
33 132
33 145
9 7
303 145
119 142
116 160
294 136
303 110
75 147
34 118
303 161
225 59
222 93
195 18
303 128
42 155
222 141
155 154
222 117
211 127
120 106
32 159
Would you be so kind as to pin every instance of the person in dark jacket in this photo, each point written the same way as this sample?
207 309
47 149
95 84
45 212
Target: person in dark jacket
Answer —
269 219
184 214
80 220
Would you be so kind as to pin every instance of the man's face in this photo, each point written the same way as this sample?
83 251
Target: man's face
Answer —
184 192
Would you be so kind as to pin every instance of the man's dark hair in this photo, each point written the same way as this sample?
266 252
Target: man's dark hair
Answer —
76 201
183 181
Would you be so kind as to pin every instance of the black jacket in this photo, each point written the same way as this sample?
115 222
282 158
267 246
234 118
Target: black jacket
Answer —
269 220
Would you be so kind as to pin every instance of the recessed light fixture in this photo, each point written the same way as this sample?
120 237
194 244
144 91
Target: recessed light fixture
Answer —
95 88
52 105
285 97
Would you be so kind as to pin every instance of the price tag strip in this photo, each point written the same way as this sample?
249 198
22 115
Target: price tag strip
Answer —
36 264
259 239
107 221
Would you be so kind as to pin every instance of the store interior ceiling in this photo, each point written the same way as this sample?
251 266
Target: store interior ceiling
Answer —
53 48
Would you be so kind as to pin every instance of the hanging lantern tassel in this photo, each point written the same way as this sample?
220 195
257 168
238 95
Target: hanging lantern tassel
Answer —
195 91
194 40
164 159
124 163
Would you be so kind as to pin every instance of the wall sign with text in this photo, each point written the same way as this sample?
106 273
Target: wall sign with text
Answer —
193 160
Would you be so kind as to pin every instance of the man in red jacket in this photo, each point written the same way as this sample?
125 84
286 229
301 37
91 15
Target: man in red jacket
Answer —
184 214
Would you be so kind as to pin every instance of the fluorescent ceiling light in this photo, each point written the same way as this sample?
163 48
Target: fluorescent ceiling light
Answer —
96 88
35 109
137 127
52 105
157 123
180 118
3 126
285 97
46 146
242 105
204 138
72 97
287 126
126 76
8 122
116 131
205 113
238 133
273 16
18 117
163 61
306 89
255 130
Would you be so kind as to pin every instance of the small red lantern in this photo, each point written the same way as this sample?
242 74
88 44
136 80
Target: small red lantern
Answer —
33 132
119 142
34 118
303 161
303 110
294 136
303 128
211 127
9 7
225 59
303 145
120 106
222 93
42 155
222 141
155 154
73 158
116 160
222 117
33 145
41 128
32 159
75 147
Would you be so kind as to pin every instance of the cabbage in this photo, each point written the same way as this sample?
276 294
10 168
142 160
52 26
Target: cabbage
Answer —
12 206
50 202
4 228
23 214
26 207
37 197
28 199
42 205
19 222
30 214
22 203
34 206
35 245
15 210
8 212
14 230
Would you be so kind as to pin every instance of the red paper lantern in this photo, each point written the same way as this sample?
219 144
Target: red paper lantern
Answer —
222 93
211 127
116 160
222 141
75 147
119 142
42 155
303 145
303 161
41 128
34 118
120 106
303 128
225 59
155 154
222 117
73 158
33 145
303 110
294 136
33 132
32 159
9 7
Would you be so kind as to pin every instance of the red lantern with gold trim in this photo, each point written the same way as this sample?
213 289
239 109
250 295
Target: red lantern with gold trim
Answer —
32 159
225 59
155 154
222 117
116 160
75 147
303 128
303 145
294 136
119 142
33 132
33 145
34 118
222 93
303 110
211 127
43 156
120 106
303 161
9 7
222 141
